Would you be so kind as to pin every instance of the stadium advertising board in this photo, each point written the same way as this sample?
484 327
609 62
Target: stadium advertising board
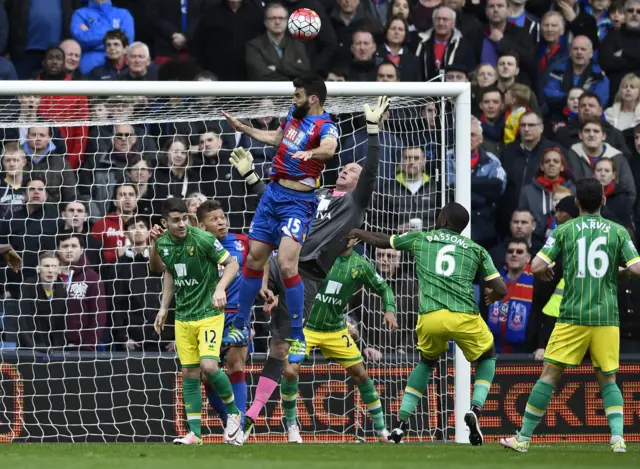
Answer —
137 399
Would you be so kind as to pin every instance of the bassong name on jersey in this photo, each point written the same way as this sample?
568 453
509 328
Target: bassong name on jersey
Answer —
446 266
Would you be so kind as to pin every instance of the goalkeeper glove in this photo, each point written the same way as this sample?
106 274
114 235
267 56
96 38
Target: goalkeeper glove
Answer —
242 160
374 116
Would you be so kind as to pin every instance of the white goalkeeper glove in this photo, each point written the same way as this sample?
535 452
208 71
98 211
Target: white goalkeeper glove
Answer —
242 160
374 116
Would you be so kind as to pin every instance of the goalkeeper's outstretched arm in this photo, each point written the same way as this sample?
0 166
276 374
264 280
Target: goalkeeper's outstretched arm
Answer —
369 176
268 137
377 240
242 160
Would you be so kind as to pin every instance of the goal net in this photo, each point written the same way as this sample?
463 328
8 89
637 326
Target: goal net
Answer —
79 360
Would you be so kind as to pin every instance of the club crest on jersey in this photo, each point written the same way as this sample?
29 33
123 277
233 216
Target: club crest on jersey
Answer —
355 272
191 250
239 246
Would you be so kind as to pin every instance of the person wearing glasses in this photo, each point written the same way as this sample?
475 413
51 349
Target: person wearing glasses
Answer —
274 56
507 318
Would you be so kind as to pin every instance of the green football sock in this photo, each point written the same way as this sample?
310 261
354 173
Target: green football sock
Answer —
289 393
613 403
371 398
416 386
220 383
485 372
193 403
536 407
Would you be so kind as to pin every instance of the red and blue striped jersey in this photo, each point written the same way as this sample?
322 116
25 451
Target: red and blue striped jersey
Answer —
301 135
238 246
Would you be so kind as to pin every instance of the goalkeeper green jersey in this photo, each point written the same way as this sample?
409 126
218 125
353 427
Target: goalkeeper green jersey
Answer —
591 248
193 263
446 266
347 275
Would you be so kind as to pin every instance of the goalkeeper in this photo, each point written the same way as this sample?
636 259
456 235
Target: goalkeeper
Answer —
326 328
339 210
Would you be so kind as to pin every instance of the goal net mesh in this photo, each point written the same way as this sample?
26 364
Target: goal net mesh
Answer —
79 360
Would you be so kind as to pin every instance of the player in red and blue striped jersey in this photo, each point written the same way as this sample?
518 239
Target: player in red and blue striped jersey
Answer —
212 218
305 141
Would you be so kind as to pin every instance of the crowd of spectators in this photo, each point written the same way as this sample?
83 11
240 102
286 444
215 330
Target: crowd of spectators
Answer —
556 98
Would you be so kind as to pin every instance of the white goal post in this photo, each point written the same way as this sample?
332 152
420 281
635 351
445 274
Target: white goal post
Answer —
240 99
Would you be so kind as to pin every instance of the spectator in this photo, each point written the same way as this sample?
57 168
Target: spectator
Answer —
411 194
599 10
619 207
138 64
115 64
221 37
363 65
578 22
174 26
401 8
570 112
345 17
617 14
469 26
194 200
508 70
64 108
508 318
523 19
488 182
387 72
43 307
74 219
137 293
592 147
502 35
27 112
492 118
484 76
29 230
537 195
625 112
274 56
521 160
36 25
456 73
177 177
139 174
422 14
553 44
443 45
589 105
86 315
579 70
110 229
72 55
517 100
12 188
7 70
90 24
394 49
521 225
337 74
43 157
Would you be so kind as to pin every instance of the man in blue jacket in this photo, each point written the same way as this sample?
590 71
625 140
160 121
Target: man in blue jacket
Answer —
89 26
579 70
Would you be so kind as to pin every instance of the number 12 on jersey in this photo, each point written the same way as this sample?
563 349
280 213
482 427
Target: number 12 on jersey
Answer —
591 258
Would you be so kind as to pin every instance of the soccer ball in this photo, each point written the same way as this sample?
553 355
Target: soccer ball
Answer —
304 24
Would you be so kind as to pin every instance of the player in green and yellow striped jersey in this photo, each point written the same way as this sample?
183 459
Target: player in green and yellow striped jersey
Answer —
446 266
326 329
189 258
591 248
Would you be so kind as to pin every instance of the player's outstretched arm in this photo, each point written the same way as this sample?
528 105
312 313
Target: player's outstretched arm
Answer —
268 137
542 269
11 257
377 240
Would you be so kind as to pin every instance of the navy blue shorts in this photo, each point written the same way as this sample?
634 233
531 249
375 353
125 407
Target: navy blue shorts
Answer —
283 212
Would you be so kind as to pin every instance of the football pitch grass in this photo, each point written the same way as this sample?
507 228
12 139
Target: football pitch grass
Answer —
312 456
